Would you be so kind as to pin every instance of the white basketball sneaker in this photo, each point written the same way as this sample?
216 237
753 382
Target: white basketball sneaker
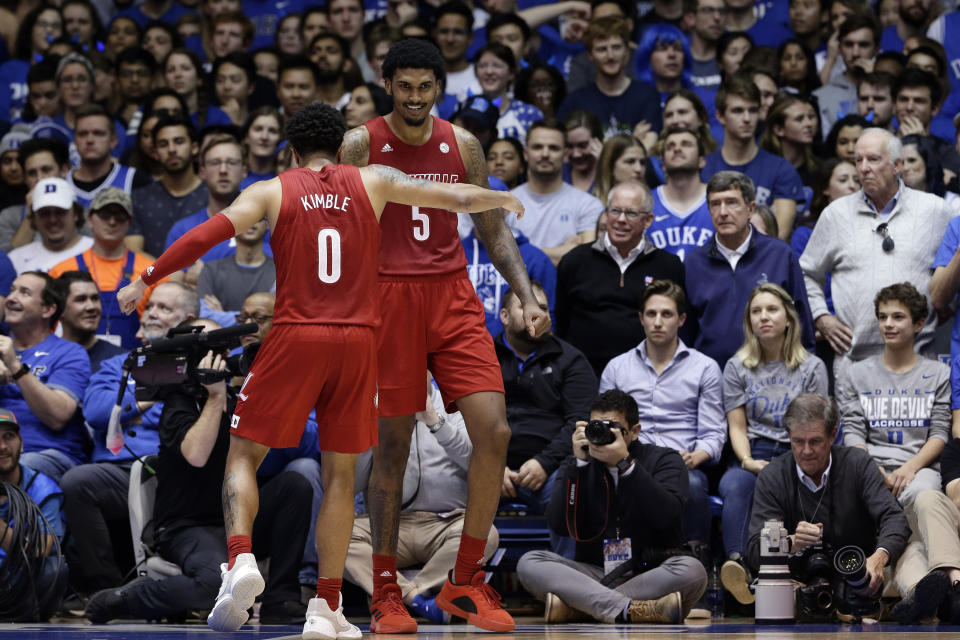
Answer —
324 624
240 587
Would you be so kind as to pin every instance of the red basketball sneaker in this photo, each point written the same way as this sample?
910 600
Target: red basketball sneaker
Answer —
478 602
388 613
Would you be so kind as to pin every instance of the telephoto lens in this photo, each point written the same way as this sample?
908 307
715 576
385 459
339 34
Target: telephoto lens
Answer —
775 598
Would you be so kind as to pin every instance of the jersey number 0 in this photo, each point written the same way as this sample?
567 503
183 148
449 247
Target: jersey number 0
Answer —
328 246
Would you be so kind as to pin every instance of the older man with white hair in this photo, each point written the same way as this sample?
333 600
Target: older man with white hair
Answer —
883 234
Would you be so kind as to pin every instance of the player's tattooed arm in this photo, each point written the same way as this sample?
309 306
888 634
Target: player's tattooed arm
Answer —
490 227
355 148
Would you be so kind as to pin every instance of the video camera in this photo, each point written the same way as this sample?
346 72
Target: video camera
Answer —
171 364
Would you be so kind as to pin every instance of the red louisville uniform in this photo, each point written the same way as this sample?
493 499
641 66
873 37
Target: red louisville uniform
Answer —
321 352
431 316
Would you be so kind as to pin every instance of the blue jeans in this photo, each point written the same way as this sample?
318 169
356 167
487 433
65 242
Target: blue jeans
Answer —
537 502
736 489
696 517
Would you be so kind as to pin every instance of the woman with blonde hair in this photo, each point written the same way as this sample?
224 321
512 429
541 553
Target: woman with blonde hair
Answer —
759 382
622 158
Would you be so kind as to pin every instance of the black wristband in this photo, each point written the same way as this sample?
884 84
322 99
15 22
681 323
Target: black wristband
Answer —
22 371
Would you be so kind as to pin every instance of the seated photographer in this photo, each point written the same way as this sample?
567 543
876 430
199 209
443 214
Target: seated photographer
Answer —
95 495
827 497
43 376
938 523
622 501
28 592
194 438
431 520
679 394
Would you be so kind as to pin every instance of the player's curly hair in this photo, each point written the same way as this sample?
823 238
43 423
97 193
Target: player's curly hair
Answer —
414 53
316 128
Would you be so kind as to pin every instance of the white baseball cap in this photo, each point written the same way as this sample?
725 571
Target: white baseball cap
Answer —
53 192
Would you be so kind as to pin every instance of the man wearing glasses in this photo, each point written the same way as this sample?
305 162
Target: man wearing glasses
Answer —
601 284
883 234
731 265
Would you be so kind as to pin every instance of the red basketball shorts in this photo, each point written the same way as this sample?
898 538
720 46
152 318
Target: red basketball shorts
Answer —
332 368
435 323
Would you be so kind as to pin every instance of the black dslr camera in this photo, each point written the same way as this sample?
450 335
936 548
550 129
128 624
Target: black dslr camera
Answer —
833 585
599 432
171 364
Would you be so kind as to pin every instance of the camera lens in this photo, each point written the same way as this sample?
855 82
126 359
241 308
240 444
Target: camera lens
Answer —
850 562
598 432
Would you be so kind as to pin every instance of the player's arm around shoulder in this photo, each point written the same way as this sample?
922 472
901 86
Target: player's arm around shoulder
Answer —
386 184
355 148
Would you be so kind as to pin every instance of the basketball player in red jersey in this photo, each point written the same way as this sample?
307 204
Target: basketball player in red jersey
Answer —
433 320
322 350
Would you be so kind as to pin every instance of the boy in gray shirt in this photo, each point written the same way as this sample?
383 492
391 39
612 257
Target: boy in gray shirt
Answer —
897 405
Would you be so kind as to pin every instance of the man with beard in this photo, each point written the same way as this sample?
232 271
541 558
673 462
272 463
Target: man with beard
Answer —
329 52
681 220
418 242
222 169
297 80
110 263
619 102
96 143
679 394
95 495
46 588
559 216
708 26
81 316
549 384
913 18
178 192
601 284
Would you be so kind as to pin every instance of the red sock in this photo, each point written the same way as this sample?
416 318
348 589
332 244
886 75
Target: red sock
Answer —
329 590
237 545
384 572
469 559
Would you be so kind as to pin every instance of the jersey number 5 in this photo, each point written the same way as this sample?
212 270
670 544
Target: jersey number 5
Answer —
329 256
421 232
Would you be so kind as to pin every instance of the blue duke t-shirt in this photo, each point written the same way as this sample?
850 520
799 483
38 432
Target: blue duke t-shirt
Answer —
59 364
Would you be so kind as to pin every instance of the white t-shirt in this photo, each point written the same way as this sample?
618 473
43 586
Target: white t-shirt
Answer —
35 257
550 219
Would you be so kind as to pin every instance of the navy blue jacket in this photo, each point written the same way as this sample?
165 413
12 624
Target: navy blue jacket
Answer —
717 295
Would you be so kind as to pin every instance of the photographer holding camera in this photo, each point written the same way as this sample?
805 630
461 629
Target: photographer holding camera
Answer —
188 517
829 497
622 501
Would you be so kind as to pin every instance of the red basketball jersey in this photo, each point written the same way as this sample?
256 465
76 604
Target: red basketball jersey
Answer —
418 240
325 246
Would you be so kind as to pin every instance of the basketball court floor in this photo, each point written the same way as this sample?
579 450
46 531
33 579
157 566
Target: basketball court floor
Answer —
527 629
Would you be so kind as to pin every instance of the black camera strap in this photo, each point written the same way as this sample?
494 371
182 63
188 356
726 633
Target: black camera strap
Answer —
827 485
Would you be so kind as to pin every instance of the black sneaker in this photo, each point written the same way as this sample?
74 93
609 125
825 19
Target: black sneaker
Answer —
949 609
107 605
286 612
926 598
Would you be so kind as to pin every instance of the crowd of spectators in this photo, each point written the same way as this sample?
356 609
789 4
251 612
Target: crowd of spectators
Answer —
730 205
